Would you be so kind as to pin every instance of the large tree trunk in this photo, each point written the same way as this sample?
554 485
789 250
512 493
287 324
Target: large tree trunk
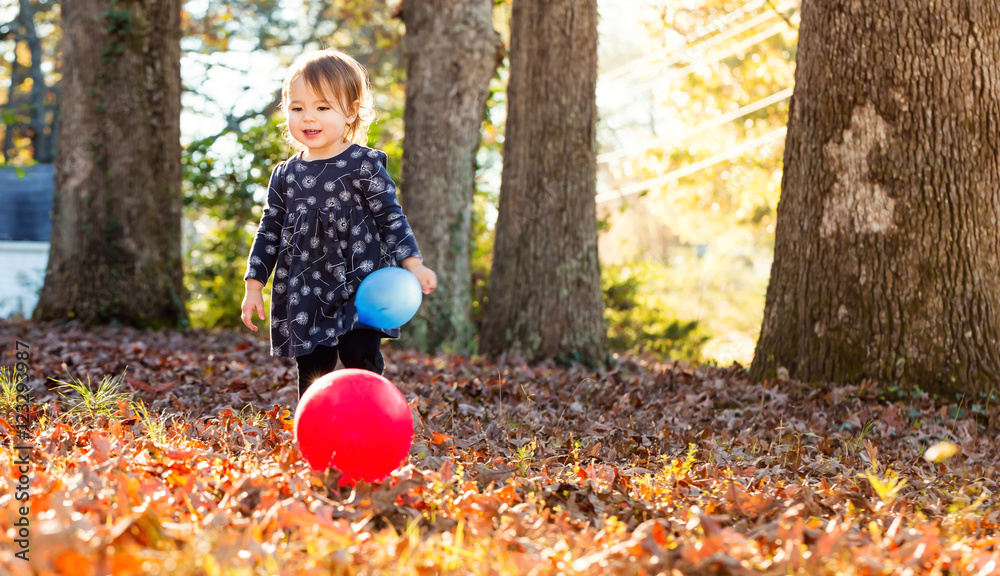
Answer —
887 250
452 51
116 228
545 287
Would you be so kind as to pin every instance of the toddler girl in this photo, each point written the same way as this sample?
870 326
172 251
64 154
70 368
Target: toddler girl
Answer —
331 218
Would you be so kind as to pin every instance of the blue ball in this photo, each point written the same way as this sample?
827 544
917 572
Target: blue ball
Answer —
387 298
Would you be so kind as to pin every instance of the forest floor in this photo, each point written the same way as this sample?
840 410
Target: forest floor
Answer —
649 468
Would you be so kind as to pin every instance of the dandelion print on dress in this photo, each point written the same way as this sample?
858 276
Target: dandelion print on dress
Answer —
332 222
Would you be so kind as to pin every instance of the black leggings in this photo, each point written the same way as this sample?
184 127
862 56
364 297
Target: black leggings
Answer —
357 349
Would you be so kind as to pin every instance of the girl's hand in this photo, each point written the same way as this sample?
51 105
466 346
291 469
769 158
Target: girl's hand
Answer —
428 279
253 300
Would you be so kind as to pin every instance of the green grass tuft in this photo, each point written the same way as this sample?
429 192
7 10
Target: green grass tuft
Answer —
102 400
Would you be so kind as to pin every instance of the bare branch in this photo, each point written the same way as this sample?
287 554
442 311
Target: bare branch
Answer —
233 122
787 20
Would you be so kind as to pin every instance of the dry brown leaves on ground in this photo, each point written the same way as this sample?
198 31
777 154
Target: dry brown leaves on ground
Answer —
515 469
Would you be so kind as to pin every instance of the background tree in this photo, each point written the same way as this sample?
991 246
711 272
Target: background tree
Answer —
452 51
29 112
116 235
545 291
887 248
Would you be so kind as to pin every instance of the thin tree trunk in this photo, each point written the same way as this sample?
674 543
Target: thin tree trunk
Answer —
35 104
452 52
40 143
18 74
545 288
887 250
116 229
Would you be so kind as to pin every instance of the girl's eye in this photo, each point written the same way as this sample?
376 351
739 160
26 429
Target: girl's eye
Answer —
296 109
323 108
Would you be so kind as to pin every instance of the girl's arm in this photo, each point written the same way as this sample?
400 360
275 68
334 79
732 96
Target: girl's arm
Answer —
380 191
264 252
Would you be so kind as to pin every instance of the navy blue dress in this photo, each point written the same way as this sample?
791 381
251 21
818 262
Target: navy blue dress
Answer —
327 224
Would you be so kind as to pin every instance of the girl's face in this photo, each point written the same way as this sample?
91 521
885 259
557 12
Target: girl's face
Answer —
317 122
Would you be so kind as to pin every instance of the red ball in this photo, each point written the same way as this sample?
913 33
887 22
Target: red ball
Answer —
356 421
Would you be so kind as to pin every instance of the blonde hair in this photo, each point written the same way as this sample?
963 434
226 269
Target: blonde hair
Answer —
341 79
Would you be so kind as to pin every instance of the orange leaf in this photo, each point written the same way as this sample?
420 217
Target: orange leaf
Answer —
755 505
660 534
440 438
115 429
508 495
828 540
72 563
100 447
126 564
10 429
176 454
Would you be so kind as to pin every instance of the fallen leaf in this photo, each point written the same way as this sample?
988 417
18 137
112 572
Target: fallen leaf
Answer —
941 451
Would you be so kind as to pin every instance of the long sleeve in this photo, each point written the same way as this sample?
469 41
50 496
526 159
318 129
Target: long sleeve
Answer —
264 251
380 192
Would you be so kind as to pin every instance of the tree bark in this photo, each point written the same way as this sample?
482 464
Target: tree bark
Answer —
545 289
116 229
452 52
887 248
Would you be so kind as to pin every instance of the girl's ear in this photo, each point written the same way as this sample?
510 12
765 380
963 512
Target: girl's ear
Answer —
355 108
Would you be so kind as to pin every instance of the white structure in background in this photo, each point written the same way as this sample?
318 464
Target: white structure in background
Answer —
25 224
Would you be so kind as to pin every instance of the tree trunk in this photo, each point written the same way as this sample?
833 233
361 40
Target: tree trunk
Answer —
41 144
116 228
36 105
887 248
545 288
452 52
